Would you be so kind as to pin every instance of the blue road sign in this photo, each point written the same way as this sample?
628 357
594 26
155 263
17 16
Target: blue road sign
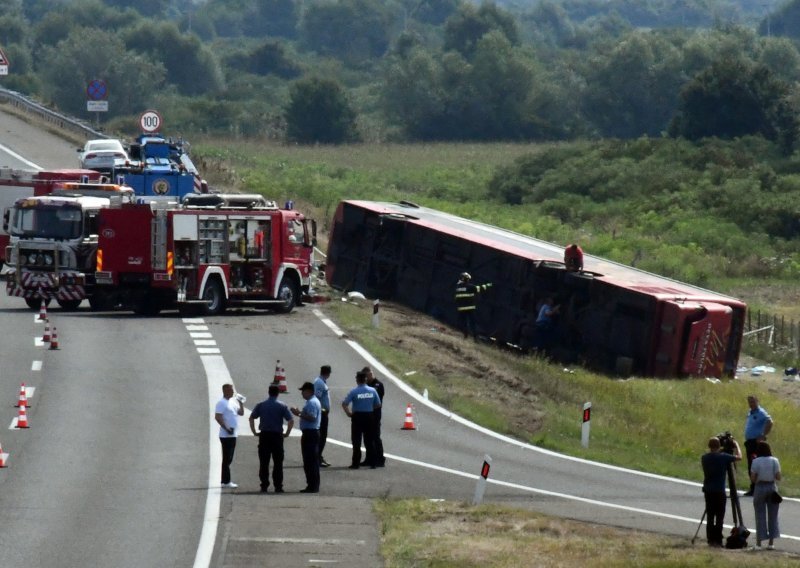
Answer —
97 90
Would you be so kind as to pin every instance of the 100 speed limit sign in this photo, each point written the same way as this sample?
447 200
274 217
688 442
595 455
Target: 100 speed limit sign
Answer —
150 121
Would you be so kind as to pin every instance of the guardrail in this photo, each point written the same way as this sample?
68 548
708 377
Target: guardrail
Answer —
60 121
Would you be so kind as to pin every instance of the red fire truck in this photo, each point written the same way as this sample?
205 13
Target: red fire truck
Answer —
212 252
17 183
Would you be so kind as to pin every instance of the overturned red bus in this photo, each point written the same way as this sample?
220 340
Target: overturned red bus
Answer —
612 317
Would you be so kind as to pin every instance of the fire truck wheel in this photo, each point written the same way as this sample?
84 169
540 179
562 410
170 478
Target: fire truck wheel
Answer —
287 292
36 303
215 296
69 305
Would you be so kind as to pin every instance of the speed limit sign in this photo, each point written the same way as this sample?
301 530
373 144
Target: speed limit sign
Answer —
150 121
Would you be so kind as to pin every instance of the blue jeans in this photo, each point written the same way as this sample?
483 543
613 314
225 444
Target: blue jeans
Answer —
766 512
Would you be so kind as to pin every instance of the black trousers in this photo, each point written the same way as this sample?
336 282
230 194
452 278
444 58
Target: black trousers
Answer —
466 319
715 513
750 450
323 432
228 447
362 426
378 443
270 446
309 446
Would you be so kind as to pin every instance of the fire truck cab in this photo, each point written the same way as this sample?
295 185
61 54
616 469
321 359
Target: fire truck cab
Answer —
53 240
212 252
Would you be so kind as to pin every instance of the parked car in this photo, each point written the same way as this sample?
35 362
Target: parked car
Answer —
101 154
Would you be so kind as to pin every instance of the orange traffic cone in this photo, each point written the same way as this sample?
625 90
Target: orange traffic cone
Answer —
46 336
280 377
22 419
23 396
409 422
42 311
54 339
3 458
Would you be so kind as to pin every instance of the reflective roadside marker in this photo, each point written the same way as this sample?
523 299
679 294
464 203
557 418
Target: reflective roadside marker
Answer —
480 487
375 317
587 414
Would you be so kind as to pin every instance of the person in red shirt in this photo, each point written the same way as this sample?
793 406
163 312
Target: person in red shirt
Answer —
573 258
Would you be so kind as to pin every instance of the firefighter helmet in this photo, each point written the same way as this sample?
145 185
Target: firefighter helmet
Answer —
466 276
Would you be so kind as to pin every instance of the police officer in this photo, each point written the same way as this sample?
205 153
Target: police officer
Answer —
364 400
466 300
321 392
758 425
373 382
310 418
271 413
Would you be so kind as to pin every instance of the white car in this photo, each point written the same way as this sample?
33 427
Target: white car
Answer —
101 155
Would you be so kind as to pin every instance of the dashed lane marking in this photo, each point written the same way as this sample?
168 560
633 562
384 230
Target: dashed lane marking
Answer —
201 342
36 366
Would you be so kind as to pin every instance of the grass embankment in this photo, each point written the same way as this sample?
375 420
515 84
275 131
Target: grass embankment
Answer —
437 534
654 425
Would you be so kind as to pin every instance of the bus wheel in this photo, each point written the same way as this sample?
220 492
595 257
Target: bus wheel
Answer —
214 295
287 293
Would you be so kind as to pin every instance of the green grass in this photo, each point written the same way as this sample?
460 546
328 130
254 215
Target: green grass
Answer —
655 425
429 534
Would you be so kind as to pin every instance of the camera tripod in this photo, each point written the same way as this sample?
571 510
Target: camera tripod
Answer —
738 520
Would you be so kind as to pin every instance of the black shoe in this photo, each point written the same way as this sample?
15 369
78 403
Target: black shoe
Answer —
373 466
263 490
323 463
278 490
382 464
749 493
364 463
309 490
353 466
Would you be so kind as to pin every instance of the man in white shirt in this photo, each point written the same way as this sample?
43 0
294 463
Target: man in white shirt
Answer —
225 413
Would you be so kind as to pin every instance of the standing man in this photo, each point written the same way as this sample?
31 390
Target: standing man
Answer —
321 392
225 413
364 400
545 324
466 302
758 425
715 468
373 382
272 413
310 418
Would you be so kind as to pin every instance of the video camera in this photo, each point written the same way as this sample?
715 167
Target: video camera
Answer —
727 442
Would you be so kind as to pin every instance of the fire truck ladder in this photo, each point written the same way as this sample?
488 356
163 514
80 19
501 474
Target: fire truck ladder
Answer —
159 240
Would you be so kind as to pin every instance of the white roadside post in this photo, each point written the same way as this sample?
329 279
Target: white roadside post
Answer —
587 414
375 316
480 487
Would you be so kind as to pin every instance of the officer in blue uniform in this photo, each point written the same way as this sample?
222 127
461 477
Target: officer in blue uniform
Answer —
360 405
272 412
322 393
310 418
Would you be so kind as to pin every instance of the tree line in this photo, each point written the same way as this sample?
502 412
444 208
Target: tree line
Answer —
418 70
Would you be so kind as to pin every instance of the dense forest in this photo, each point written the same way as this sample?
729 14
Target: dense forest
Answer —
334 71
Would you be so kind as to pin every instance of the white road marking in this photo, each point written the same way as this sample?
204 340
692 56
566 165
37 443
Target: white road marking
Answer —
208 350
200 342
36 366
12 153
194 320
37 341
196 328
199 334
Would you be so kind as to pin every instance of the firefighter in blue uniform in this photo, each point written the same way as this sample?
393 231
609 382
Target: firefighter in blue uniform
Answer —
466 302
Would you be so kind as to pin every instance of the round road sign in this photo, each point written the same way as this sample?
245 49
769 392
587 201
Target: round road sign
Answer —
97 90
150 121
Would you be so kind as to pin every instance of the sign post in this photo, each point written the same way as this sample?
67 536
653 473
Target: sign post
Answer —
587 414
376 321
97 98
150 121
480 488
3 63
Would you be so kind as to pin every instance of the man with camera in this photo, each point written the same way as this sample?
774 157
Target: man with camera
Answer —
715 468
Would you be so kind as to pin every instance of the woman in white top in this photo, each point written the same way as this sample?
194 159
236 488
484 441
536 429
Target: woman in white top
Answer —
764 473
